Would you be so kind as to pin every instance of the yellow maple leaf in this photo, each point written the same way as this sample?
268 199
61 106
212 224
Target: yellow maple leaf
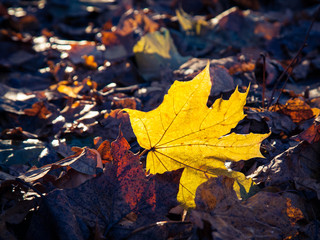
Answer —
184 133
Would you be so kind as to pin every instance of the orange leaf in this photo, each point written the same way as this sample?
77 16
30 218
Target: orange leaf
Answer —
293 213
296 109
105 151
241 67
38 109
109 38
89 61
312 134
71 91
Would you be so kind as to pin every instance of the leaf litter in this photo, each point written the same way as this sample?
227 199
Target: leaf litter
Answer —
69 69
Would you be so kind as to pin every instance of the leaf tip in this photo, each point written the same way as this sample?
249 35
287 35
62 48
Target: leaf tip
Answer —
207 66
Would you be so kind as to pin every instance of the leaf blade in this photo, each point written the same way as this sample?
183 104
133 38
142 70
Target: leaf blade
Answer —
184 133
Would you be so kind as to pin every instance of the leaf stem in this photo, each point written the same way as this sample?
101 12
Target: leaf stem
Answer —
156 224
264 78
143 152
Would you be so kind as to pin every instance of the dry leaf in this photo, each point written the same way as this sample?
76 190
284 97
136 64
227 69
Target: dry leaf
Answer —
191 25
266 215
184 133
90 62
155 52
296 109
38 109
102 202
84 161
312 134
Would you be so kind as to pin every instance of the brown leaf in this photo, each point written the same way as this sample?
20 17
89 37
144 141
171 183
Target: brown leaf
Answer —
298 165
110 38
267 30
78 50
296 109
15 206
276 121
105 151
101 203
128 163
136 20
113 120
267 215
122 38
312 134
84 161
120 103
242 67
38 109
16 134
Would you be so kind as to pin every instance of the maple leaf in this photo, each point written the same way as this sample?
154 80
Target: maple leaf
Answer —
184 133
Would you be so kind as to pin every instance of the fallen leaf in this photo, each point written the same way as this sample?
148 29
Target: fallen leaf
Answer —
89 61
267 30
298 165
296 109
222 81
84 161
102 202
312 134
184 133
21 152
241 67
17 134
71 91
155 52
113 120
38 109
191 25
80 49
134 20
14 207
126 102
266 214
276 121
105 151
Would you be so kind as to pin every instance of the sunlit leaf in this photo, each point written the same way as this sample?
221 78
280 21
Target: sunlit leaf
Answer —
184 133
155 52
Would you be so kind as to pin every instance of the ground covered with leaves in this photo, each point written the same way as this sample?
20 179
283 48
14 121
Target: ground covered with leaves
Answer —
98 140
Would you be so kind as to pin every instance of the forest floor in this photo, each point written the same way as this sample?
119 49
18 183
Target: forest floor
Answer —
69 157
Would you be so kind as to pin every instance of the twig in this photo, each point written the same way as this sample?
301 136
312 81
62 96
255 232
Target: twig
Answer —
285 83
161 223
129 89
263 78
294 60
